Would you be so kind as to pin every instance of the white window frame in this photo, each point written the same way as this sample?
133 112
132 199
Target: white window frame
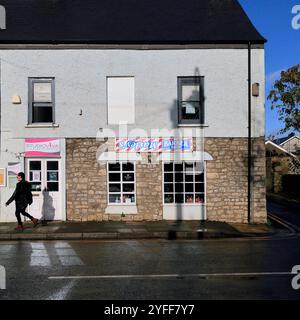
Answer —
184 193
44 173
31 102
121 182
57 171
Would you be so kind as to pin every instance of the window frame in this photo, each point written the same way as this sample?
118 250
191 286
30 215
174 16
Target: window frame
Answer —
121 182
194 80
52 170
31 82
31 181
184 193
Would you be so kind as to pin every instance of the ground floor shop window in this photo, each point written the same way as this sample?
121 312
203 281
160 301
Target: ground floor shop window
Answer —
121 183
184 182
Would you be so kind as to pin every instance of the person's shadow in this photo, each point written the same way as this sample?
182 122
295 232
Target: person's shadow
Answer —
48 210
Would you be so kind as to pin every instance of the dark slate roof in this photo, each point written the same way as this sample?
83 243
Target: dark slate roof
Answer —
280 140
127 22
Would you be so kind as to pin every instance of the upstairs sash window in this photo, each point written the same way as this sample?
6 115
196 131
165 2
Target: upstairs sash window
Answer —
41 100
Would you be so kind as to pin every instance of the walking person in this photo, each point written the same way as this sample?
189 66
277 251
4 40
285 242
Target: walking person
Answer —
23 198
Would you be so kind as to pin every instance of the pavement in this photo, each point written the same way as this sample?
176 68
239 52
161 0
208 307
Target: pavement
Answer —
106 230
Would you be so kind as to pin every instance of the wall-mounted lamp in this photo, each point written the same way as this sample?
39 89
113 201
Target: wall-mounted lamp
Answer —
255 89
80 112
16 100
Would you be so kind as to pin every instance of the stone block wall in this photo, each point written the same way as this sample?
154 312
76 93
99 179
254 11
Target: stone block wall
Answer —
149 191
86 181
87 185
277 166
226 182
259 181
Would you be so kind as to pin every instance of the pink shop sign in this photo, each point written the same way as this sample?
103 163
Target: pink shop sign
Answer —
42 147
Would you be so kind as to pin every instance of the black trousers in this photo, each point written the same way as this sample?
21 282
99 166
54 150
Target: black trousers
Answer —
22 211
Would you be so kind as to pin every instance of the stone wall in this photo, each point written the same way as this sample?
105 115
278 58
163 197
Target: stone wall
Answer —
86 181
226 180
149 191
87 185
277 166
292 145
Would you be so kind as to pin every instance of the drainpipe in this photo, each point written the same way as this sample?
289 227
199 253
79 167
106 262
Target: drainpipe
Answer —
249 136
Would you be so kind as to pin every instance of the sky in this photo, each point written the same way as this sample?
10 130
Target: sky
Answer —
273 19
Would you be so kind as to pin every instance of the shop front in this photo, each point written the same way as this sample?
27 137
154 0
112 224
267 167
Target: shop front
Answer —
44 171
148 179
135 180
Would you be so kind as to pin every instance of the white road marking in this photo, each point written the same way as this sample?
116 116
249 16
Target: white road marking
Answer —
61 245
62 293
68 257
37 246
197 275
39 256
5 248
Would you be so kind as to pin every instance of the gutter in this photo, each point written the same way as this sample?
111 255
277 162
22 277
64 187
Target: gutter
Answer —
250 217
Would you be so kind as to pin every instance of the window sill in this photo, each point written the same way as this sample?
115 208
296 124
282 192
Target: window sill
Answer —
184 204
119 209
42 125
193 125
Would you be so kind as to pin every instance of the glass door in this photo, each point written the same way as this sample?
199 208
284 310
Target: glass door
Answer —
44 177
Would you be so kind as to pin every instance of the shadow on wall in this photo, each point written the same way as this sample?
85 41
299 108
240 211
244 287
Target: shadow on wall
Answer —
179 110
48 210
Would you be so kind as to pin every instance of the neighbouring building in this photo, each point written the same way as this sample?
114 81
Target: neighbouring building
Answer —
279 162
290 143
134 110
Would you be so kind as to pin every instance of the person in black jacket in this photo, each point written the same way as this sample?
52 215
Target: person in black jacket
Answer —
21 196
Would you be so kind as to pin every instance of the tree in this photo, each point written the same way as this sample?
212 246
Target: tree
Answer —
285 97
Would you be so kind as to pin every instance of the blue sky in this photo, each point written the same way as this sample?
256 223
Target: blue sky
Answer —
273 19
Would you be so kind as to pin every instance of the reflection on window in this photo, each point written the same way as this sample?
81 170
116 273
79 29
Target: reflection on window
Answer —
35 175
121 183
184 183
191 99
41 100
52 176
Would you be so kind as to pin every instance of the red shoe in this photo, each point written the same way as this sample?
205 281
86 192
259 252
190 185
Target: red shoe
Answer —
35 222
19 228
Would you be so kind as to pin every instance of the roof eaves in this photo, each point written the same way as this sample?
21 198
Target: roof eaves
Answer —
285 141
280 148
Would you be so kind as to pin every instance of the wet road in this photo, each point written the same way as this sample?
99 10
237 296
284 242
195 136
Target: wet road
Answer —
288 212
154 270
210 269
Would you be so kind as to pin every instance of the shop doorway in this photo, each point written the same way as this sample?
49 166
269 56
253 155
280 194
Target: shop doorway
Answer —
44 176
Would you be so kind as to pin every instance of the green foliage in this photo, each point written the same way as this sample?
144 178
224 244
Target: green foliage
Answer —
269 222
285 97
